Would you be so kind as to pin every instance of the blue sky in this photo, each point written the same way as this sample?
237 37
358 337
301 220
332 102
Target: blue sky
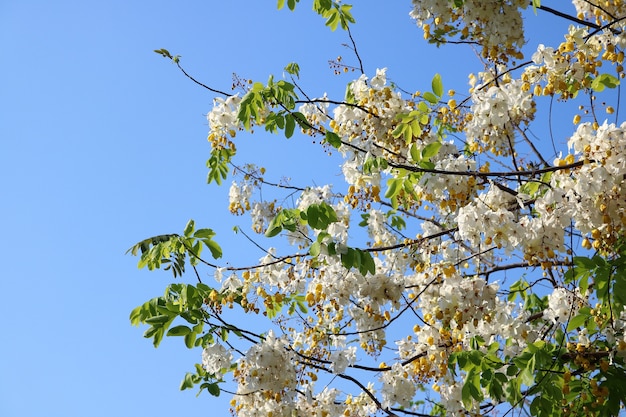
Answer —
103 143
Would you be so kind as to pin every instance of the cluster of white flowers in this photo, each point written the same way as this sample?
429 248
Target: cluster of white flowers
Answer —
594 194
324 404
562 305
497 25
454 190
314 195
267 367
451 394
487 220
575 63
496 111
262 214
601 11
398 387
239 196
372 117
316 111
341 356
216 357
222 118
378 230
381 289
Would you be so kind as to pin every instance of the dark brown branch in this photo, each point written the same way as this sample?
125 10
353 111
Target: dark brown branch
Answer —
479 174
356 53
213 90
568 17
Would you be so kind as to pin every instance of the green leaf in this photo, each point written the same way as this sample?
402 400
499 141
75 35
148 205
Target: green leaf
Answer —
160 319
213 389
293 69
431 150
189 228
394 186
437 86
216 250
163 52
367 264
187 382
273 229
181 330
347 258
433 99
315 249
204 233
579 320
333 139
399 130
603 81
415 153
290 126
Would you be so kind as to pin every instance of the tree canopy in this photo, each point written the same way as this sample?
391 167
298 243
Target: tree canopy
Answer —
466 264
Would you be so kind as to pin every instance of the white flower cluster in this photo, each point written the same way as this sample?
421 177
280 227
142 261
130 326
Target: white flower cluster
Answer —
341 356
262 214
216 357
487 220
373 116
575 63
378 230
456 309
594 195
436 187
562 305
398 387
496 24
239 197
496 112
601 11
316 111
223 116
267 367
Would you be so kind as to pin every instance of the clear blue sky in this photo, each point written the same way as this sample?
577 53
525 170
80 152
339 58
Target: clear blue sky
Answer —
103 143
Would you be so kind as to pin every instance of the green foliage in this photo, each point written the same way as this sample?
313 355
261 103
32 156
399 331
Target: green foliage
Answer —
275 95
603 81
333 139
410 124
293 69
401 186
537 188
359 259
534 373
318 216
608 276
334 12
290 3
180 300
166 54
287 219
218 165
437 86
373 165
172 250
206 380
